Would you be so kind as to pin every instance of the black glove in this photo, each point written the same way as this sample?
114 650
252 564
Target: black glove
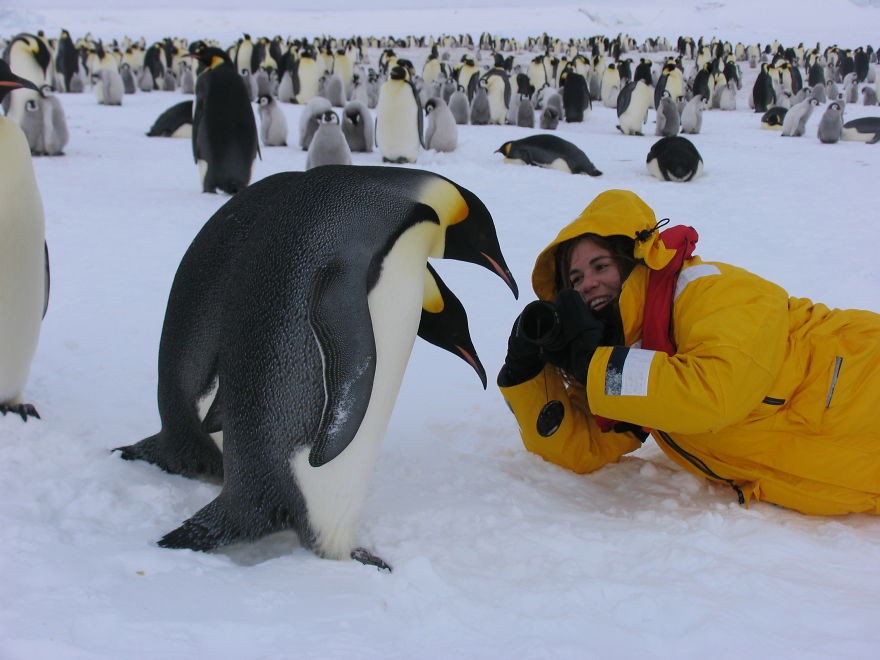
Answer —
523 361
577 335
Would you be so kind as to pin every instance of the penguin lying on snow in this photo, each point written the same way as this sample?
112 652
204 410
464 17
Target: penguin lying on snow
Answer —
549 151
863 129
299 361
774 117
24 258
176 121
675 159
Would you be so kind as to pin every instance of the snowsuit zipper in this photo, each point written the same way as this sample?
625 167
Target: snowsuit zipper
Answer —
701 466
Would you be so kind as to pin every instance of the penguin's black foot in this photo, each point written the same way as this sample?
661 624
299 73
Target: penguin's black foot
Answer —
25 410
204 463
366 557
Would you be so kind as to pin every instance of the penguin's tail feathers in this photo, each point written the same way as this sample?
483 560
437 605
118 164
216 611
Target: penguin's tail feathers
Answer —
212 527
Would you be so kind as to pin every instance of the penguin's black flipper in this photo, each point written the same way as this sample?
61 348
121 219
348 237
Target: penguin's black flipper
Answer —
349 360
46 288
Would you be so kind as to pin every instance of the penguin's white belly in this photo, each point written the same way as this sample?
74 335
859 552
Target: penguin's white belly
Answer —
334 493
22 262
203 405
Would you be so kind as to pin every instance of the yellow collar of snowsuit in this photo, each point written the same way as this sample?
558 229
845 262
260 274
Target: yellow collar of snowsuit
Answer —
611 213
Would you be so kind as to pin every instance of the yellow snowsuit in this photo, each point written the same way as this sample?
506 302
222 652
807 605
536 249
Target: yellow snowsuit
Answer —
775 396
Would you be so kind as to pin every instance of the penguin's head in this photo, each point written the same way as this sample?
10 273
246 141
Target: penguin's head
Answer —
398 73
9 81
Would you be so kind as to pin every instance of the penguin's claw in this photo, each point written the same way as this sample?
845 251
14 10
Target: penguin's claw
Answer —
366 557
25 410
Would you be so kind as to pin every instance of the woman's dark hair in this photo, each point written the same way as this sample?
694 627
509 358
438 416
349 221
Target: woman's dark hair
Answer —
620 247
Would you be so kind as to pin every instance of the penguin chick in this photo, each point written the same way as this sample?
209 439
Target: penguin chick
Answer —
441 133
328 146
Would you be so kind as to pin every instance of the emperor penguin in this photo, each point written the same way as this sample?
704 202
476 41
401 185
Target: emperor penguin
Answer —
29 57
498 93
399 119
24 257
307 75
459 106
175 122
763 95
441 133
309 351
108 86
674 159
863 129
44 124
668 119
357 126
328 146
66 60
480 111
575 97
525 112
831 123
795 122
610 86
692 115
727 96
632 107
310 119
129 86
550 151
273 123
773 118
224 133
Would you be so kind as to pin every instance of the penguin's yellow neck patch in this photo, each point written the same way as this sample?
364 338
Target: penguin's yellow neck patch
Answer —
432 300
446 201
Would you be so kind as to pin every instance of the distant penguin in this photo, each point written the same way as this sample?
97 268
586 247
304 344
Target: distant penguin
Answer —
727 96
525 112
480 112
498 93
863 129
129 86
692 116
869 95
357 126
310 119
399 118
818 92
668 119
348 309
44 124
66 61
224 133
632 107
108 87
187 79
831 123
307 73
174 122
774 117
441 133
549 120
763 95
548 151
610 86
273 123
575 98
459 106
328 146
674 159
795 121
333 89
24 258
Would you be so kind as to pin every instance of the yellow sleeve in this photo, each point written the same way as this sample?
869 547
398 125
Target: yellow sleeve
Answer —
577 444
731 332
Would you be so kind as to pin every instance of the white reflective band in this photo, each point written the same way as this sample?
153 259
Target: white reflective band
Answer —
688 275
627 372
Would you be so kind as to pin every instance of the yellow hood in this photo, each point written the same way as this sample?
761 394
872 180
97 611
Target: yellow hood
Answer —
611 213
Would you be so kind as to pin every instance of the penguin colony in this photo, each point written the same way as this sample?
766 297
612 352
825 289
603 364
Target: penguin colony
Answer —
358 101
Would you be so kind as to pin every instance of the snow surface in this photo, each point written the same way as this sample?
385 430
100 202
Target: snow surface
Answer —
496 553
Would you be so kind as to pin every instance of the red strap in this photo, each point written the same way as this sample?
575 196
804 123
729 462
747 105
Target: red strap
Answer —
657 321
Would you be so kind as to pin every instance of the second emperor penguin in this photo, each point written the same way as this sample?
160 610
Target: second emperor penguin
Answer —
399 119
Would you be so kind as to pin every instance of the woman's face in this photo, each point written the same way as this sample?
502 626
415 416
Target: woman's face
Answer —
594 274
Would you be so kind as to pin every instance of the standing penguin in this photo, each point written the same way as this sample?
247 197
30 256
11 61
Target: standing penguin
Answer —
692 115
108 86
328 146
357 126
525 112
310 119
28 56
224 133
632 107
831 123
674 159
575 97
763 95
66 61
24 258
273 123
459 106
399 118
668 120
311 350
480 112
498 92
44 124
441 133
795 122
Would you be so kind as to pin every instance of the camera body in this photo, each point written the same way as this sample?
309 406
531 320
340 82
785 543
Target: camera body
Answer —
541 324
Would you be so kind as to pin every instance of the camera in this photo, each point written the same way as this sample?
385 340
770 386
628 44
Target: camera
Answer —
541 324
